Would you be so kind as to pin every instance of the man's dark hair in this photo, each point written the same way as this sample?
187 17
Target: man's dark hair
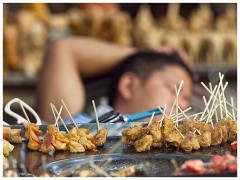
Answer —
143 64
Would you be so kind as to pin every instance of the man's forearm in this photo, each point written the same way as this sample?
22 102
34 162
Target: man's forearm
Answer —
66 62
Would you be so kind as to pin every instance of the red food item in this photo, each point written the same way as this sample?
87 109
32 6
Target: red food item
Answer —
232 167
223 163
234 145
194 166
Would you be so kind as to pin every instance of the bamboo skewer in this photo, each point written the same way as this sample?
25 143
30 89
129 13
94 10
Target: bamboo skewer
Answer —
176 104
233 113
215 112
165 108
183 113
151 119
195 115
69 114
224 101
95 110
56 120
59 116
186 110
205 102
172 107
163 112
216 87
24 111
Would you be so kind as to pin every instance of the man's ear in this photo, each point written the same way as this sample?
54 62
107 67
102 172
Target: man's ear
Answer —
127 85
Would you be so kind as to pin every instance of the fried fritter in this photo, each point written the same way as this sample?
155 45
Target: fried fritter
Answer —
100 137
144 143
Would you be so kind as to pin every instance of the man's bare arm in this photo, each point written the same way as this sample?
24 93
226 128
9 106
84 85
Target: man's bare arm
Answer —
66 62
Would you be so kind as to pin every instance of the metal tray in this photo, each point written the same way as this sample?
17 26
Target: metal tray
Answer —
123 156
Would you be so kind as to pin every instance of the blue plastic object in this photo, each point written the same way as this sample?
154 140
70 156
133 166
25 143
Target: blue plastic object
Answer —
141 115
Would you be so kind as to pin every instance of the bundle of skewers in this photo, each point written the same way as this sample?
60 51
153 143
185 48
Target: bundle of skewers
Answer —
188 132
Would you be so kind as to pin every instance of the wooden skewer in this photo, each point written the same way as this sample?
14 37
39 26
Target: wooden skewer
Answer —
205 102
95 110
172 107
216 87
195 115
56 120
224 101
178 92
215 112
59 116
151 119
69 114
183 113
233 113
180 87
24 111
165 108
186 110
179 132
163 112
178 120
176 104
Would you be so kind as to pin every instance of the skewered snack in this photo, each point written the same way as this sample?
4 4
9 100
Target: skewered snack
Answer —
80 137
61 141
74 145
204 139
143 144
156 133
190 142
12 135
7 147
32 132
48 140
100 137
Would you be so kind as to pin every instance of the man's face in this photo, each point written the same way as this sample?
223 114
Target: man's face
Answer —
159 89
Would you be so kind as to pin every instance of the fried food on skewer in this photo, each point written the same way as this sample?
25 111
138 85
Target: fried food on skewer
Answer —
190 142
130 135
7 147
100 137
48 140
216 136
144 143
32 132
12 135
173 139
204 139
171 136
61 141
74 145
155 131
6 132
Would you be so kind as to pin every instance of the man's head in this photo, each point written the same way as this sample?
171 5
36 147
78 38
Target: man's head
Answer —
146 80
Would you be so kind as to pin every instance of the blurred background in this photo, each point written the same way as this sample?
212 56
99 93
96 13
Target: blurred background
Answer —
207 32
